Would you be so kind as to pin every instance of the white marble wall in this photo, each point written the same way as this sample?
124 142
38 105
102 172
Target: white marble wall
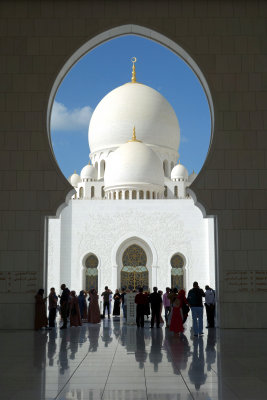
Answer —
167 226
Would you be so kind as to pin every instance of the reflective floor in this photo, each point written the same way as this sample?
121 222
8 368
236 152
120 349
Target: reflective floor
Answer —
115 361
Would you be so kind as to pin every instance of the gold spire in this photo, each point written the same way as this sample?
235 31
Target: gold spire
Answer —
134 137
134 59
75 171
179 162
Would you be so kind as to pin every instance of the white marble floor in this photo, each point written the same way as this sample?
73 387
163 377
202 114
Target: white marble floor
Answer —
113 361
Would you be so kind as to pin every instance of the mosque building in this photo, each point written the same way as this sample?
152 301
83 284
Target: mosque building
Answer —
132 221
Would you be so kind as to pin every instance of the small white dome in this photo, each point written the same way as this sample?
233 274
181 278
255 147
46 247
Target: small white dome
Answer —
89 172
133 163
179 172
74 179
134 104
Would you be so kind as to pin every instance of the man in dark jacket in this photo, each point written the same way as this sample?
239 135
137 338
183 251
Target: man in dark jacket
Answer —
194 299
64 305
155 300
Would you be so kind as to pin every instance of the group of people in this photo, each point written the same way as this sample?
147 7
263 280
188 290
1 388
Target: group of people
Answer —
176 307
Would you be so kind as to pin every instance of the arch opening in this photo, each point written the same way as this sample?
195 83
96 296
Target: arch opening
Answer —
100 165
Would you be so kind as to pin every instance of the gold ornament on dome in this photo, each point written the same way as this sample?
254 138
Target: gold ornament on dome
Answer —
134 137
134 59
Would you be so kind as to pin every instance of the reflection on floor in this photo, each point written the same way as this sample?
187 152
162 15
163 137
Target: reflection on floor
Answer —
115 361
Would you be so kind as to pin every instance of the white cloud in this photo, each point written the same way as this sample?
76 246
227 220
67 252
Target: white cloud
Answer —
63 119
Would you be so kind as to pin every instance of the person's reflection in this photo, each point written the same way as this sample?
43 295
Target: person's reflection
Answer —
63 353
107 332
51 346
82 338
93 336
140 352
155 355
178 351
210 348
40 340
117 328
196 371
123 334
74 341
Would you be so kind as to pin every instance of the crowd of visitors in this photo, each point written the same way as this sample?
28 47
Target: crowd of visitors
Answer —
176 307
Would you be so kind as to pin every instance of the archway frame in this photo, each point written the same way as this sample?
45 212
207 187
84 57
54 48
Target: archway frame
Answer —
132 29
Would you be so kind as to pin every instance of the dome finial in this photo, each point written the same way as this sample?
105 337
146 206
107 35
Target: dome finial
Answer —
134 59
179 162
75 171
134 137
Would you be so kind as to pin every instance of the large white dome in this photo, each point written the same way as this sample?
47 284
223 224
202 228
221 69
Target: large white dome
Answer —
133 164
133 104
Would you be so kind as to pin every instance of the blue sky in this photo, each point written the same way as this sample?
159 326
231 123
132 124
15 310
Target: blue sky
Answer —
109 66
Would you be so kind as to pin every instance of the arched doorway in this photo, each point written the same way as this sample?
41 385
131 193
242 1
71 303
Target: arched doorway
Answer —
134 273
177 271
91 272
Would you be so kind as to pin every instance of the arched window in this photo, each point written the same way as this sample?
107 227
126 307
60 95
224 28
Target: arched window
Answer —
141 194
92 192
154 195
114 195
134 195
91 272
127 195
81 193
134 273
177 271
165 191
102 192
102 168
148 194
165 168
120 195
175 191
96 167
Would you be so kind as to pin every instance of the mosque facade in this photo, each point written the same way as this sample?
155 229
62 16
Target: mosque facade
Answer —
132 221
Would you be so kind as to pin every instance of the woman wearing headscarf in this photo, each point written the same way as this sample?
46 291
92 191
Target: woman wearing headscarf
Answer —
93 310
176 324
75 316
82 303
117 303
40 320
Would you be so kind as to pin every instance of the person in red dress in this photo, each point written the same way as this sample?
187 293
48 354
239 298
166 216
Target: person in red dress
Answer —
176 325
184 304
75 316
93 310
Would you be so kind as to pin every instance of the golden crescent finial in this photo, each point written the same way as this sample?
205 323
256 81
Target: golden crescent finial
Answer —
134 137
133 59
